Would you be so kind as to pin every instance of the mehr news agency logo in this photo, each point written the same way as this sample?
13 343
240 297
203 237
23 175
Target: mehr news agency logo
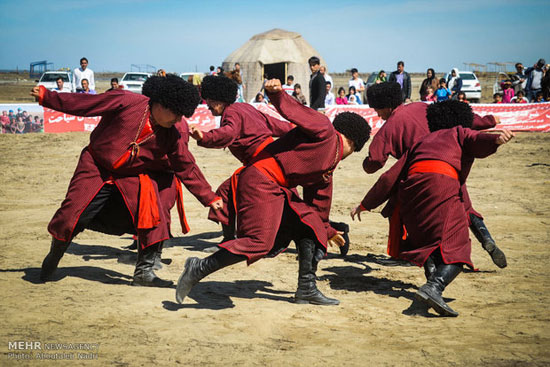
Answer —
52 351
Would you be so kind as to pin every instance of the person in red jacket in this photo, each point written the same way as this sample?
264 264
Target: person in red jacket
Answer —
269 211
405 125
428 221
124 180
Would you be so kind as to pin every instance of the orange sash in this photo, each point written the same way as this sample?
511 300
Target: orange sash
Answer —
181 213
148 215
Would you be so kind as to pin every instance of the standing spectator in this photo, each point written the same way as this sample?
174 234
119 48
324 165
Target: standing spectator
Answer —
297 94
114 84
85 87
328 78
341 99
402 77
317 85
212 72
534 79
546 83
60 84
442 93
241 84
358 84
430 80
329 99
289 86
454 83
507 91
381 78
83 72
219 71
520 79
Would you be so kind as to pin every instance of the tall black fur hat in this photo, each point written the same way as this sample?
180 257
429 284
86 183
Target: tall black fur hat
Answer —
385 95
173 93
448 114
353 127
219 88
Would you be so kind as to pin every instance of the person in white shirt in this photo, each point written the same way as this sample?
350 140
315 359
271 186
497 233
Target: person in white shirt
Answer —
328 78
329 98
83 72
357 82
289 86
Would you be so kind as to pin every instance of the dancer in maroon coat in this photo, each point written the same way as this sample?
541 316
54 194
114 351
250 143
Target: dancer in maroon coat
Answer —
243 129
428 180
269 212
405 126
124 181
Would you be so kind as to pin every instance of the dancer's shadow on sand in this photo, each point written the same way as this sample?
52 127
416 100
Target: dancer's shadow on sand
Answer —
217 295
91 273
196 242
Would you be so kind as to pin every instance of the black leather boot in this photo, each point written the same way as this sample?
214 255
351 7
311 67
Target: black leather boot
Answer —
431 292
429 267
144 275
342 227
196 269
482 234
49 265
307 291
158 257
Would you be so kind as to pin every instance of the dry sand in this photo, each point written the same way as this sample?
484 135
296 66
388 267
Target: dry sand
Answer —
244 315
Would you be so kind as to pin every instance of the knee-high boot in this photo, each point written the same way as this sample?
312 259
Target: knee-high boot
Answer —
431 292
144 274
482 234
307 291
196 269
49 265
429 267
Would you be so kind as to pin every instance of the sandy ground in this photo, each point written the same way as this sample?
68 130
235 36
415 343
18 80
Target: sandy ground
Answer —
244 315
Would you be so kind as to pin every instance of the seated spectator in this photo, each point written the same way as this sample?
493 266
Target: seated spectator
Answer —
507 91
86 87
442 93
430 96
60 84
352 99
329 98
259 98
461 97
114 84
353 91
538 98
341 99
381 78
297 94
497 98
520 98
289 86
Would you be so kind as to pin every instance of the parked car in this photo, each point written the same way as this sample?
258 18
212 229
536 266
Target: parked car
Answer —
133 81
470 85
48 80
188 77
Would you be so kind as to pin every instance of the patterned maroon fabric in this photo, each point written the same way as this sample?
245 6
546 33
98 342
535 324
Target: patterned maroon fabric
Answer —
404 128
431 206
122 113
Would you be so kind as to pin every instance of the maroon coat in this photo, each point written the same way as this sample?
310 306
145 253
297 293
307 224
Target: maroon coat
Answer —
161 156
431 207
406 126
307 156
243 129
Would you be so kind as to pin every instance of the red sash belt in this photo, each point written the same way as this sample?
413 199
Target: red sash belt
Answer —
148 215
397 231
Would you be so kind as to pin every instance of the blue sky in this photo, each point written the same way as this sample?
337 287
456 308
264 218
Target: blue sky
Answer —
192 35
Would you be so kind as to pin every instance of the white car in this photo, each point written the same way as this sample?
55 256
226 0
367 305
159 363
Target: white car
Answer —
133 81
48 80
470 85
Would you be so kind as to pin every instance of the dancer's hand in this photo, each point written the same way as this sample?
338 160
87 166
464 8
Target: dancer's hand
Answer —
497 119
35 92
273 86
356 211
195 132
337 240
505 136
217 204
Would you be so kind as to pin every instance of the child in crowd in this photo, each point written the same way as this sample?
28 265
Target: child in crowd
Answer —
507 91
298 94
341 99
519 98
497 98
442 93
431 97
538 98
461 96
353 92
352 99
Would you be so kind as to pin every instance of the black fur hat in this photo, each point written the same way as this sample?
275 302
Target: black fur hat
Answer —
219 88
173 93
353 127
448 114
384 95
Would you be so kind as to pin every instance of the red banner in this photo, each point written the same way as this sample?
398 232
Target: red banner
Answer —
517 117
